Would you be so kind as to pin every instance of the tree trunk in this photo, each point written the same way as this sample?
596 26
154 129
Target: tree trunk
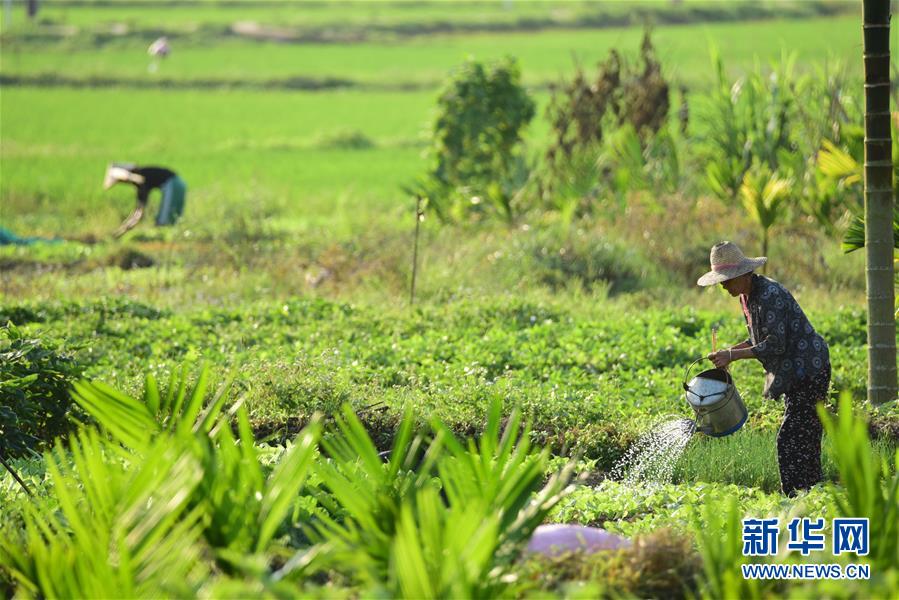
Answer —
879 204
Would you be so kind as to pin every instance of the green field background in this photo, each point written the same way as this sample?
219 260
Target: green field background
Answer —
282 149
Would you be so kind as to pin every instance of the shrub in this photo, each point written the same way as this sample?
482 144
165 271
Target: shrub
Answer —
476 159
582 115
34 392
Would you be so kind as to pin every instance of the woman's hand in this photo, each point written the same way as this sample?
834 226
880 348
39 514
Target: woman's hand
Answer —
721 358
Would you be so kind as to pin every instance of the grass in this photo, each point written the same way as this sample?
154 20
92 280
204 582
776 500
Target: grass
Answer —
749 458
236 155
424 62
410 18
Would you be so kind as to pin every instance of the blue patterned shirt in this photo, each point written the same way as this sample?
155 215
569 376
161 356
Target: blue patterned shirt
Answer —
787 345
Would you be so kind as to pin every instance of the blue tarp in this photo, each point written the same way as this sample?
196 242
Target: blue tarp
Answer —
8 238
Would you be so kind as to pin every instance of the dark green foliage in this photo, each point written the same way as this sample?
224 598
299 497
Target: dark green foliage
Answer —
35 378
100 310
20 315
477 164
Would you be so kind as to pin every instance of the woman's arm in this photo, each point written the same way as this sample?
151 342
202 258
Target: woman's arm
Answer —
131 221
722 358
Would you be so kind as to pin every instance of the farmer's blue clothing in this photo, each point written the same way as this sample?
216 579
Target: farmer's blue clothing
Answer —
787 345
172 205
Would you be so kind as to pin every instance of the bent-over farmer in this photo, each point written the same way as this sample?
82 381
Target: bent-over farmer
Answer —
146 179
794 355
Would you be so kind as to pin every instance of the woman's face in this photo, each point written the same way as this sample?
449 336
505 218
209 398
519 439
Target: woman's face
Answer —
736 286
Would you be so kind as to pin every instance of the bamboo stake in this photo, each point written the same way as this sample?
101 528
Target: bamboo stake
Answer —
418 218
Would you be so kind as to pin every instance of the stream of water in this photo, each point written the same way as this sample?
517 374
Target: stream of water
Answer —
655 454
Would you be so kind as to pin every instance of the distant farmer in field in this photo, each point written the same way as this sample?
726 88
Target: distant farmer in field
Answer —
146 179
158 50
795 358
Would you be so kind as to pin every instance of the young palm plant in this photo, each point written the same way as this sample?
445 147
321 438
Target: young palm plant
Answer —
115 526
442 519
764 195
243 507
870 486
363 495
441 552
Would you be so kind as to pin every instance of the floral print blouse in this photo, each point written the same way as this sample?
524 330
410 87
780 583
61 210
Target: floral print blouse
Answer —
785 342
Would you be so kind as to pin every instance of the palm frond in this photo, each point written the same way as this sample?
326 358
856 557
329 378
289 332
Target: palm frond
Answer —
445 521
121 530
854 238
764 194
837 163
135 422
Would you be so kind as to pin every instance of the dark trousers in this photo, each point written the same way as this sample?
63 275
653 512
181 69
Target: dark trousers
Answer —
799 438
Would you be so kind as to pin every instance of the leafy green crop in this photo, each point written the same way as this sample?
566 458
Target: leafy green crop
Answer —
35 379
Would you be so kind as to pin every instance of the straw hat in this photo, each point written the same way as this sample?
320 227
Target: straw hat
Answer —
728 261
118 172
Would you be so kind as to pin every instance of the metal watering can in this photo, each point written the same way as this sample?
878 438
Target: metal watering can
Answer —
715 400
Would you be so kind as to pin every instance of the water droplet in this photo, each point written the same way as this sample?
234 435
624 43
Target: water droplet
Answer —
655 454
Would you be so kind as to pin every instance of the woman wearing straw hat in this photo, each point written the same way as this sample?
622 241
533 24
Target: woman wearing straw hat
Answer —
794 355
146 179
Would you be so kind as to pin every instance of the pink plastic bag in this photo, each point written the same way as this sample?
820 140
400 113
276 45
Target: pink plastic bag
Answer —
553 540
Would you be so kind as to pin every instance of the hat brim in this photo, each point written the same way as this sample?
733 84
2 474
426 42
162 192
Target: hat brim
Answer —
747 266
114 175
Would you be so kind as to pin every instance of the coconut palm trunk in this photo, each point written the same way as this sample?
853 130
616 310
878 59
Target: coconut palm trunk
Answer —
879 204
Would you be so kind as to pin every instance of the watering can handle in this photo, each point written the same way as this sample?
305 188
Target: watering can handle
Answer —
690 368
687 372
